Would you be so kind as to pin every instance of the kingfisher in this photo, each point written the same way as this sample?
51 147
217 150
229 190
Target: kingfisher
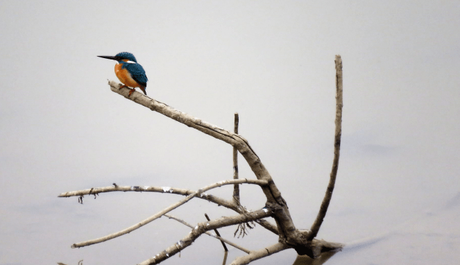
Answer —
128 71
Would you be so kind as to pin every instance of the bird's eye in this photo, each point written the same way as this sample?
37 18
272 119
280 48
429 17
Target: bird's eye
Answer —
130 61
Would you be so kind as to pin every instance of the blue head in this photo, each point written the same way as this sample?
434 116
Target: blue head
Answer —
126 55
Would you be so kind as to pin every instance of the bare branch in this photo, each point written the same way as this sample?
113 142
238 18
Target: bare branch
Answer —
217 233
95 191
159 214
203 227
289 235
337 138
282 217
271 192
177 115
268 226
254 255
236 188
209 234
209 197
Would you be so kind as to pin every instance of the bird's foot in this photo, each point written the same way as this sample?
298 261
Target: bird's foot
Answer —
131 91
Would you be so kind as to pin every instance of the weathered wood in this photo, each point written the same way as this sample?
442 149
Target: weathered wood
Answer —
337 138
202 228
286 228
160 213
236 188
276 207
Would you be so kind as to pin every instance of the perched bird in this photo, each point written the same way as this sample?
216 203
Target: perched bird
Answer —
128 71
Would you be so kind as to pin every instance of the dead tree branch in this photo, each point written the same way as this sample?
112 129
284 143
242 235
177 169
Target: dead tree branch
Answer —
185 192
217 236
337 138
258 254
206 226
160 213
288 232
236 188
303 241
217 233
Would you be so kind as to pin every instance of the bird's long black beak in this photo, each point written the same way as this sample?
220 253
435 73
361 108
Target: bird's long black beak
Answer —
108 57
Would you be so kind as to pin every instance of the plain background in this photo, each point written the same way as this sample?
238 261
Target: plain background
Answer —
62 129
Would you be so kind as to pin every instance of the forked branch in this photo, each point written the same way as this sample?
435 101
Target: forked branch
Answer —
160 213
288 233
217 236
289 236
206 226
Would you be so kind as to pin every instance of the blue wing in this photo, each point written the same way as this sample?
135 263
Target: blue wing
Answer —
137 73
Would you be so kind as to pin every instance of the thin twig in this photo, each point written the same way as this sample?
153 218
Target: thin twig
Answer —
236 187
171 190
209 234
159 214
225 258
337 138
95 191
203 227
217 233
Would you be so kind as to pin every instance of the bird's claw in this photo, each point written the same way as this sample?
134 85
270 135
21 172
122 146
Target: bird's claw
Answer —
131 90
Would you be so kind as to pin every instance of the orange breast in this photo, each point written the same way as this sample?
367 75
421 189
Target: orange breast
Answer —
124 76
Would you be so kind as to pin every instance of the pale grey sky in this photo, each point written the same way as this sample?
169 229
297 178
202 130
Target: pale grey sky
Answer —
62 129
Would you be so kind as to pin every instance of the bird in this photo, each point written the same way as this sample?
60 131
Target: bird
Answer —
128 71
